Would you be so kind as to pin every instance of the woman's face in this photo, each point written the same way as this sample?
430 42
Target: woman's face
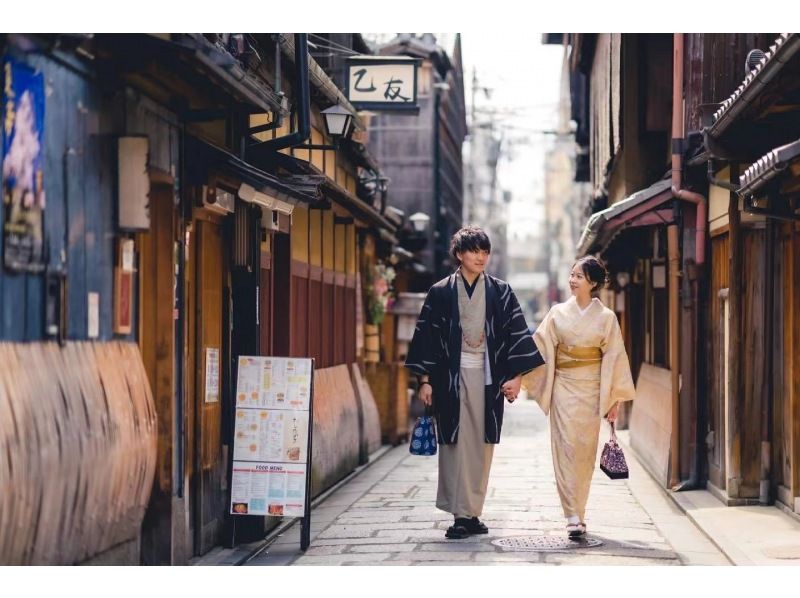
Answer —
578 283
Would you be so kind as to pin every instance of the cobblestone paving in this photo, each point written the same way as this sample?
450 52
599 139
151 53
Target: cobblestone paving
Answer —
386 515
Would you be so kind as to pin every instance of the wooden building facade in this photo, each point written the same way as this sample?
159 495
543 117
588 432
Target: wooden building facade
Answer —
751 153
694 211
247 248
421 153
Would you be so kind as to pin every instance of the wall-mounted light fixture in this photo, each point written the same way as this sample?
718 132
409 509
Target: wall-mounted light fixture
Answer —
338 121
338 125
371 183
420 221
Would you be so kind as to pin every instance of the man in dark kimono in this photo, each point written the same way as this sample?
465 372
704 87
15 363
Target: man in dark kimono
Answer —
470 349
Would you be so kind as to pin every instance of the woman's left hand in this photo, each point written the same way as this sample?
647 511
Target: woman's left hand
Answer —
611 416
511 388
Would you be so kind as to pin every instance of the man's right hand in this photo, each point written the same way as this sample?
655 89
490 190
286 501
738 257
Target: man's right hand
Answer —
426 394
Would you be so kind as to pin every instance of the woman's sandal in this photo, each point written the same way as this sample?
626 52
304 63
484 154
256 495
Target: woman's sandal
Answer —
576 530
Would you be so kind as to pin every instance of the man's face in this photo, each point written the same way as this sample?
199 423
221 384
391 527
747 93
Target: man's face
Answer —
473 262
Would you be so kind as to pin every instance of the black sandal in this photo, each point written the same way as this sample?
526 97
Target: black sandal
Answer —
476 526
456 532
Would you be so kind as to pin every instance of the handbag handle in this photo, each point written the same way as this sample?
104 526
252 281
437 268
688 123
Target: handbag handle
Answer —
613 431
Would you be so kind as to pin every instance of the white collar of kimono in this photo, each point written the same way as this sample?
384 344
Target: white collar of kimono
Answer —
458 274
583 311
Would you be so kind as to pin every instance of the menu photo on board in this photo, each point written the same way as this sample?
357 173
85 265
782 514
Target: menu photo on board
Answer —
273 383
270 452
269 435
268 489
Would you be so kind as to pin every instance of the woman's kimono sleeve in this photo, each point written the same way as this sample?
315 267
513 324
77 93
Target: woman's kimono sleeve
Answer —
539 382
616 382
421 358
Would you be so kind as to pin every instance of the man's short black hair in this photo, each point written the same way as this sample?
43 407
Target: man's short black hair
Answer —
469 238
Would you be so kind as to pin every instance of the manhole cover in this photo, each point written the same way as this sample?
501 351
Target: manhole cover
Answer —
545 543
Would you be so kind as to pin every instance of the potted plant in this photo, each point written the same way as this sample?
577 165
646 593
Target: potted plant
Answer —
379 298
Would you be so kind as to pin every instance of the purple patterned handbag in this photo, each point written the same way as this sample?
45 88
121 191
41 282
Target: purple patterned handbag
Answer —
612 461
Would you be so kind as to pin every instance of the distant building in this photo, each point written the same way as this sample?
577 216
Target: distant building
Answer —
421 153
565 197
485 203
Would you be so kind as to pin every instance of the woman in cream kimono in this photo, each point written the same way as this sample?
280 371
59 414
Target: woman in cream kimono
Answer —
587 375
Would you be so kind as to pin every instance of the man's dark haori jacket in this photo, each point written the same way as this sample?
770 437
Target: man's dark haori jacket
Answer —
435 350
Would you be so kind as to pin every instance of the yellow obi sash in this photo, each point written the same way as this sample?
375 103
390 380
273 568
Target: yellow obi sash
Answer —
577 356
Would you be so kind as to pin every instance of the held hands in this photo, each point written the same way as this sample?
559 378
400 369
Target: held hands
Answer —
511 388
510 391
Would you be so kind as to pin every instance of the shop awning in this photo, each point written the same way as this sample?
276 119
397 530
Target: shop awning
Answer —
205 156
639 209
334 191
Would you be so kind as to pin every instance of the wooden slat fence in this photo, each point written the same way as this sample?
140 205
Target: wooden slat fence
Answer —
77 450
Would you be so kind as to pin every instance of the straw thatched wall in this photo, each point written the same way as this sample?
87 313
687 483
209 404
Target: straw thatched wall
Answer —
77 450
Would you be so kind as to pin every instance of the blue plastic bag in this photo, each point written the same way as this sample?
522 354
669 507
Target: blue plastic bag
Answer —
423 437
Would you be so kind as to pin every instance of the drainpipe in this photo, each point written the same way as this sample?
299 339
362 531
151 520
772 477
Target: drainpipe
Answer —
699 201
677 153
302 102
673 256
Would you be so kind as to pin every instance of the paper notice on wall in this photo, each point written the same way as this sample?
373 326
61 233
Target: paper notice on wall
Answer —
268 489
93 319
212 375
659 276
127 249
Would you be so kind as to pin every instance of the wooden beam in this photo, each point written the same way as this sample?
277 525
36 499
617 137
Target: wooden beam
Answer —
735 378
769 363
157 343
793 325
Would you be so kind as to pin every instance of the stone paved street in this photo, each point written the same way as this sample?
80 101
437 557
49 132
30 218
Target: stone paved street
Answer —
386 515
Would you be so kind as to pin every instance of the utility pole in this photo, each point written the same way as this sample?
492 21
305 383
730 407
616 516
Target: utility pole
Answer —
474 87
469 216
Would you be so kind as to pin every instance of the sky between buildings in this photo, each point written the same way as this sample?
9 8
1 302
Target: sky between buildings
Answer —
517 87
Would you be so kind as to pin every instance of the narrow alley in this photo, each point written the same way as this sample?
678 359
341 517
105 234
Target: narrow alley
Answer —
386 515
